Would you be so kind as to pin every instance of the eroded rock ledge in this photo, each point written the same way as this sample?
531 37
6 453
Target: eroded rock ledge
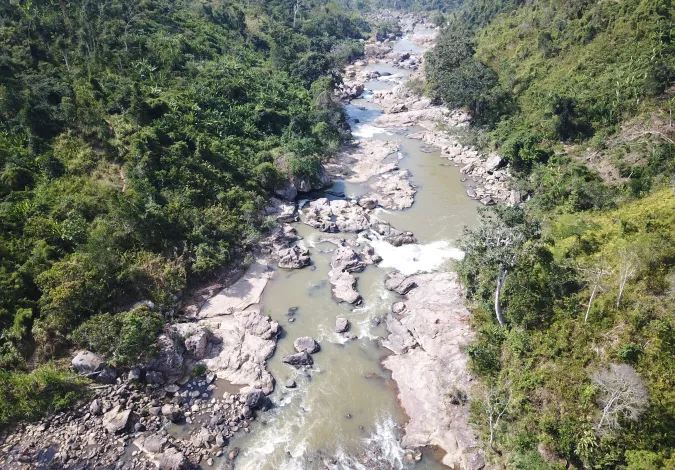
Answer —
428 335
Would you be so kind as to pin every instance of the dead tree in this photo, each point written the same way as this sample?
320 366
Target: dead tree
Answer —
501 277
595 275
296 9
622 395
627 269
496 407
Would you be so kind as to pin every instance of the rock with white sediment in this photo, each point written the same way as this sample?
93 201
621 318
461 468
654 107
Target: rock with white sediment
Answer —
243 338
293 257
341 325
393 190
335 216
435 318
344 288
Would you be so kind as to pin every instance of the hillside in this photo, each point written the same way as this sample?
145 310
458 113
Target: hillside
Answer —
573 289
139 142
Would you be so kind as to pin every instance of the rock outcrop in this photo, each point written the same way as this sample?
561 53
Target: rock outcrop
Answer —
429 362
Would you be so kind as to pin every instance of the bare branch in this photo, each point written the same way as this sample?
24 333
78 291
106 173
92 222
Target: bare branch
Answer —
622 395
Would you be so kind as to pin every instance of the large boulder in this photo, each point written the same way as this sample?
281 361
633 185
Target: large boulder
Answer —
169 360
346 259
399 283
86 362
302 185
493 162
344 288
172 459
376 51
298 359
172 413
293 257
195 344
306 344
154 378
107 375
288 193
116 420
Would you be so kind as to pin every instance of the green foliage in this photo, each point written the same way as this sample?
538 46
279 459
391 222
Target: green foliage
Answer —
123 339
546 354
139 142
29 396
200 369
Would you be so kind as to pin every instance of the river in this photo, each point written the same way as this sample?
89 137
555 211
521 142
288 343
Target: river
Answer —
343 413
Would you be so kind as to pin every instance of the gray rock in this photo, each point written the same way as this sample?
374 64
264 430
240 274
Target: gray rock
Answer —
256 399
399 283
293 257
368 202
298 359
493 162
173 388
302 185
154 378
341 325
86 362
116 420
135 374
289 193
172 459
344 288
397 307
107 375
290 383
96 407
306 344
347 260
169 360
195 344
172 413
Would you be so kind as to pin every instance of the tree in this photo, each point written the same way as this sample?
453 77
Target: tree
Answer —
495 407
594 276
622 396
627 268
492 250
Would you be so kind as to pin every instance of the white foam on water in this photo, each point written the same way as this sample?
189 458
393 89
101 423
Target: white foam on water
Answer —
381 450
281 432
415 258
368 130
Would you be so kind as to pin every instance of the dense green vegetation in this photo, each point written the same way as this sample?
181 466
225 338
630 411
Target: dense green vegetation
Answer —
574 289
47 389
138 142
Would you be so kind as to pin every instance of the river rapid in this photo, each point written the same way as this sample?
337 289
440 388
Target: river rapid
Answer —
343 412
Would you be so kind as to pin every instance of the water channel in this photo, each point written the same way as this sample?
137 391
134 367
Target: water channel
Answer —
343 414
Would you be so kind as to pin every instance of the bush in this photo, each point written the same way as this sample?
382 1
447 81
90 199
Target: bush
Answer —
123 339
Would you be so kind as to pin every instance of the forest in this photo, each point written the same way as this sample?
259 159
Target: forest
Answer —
139 141
572 291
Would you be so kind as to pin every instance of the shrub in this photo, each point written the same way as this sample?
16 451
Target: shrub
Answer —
124 339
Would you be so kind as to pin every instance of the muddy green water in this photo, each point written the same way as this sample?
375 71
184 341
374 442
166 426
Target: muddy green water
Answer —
343 413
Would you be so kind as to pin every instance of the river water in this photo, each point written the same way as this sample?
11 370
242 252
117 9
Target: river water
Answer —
343 414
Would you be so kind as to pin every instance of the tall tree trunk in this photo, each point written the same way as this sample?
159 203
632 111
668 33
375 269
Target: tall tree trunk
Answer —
498 294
